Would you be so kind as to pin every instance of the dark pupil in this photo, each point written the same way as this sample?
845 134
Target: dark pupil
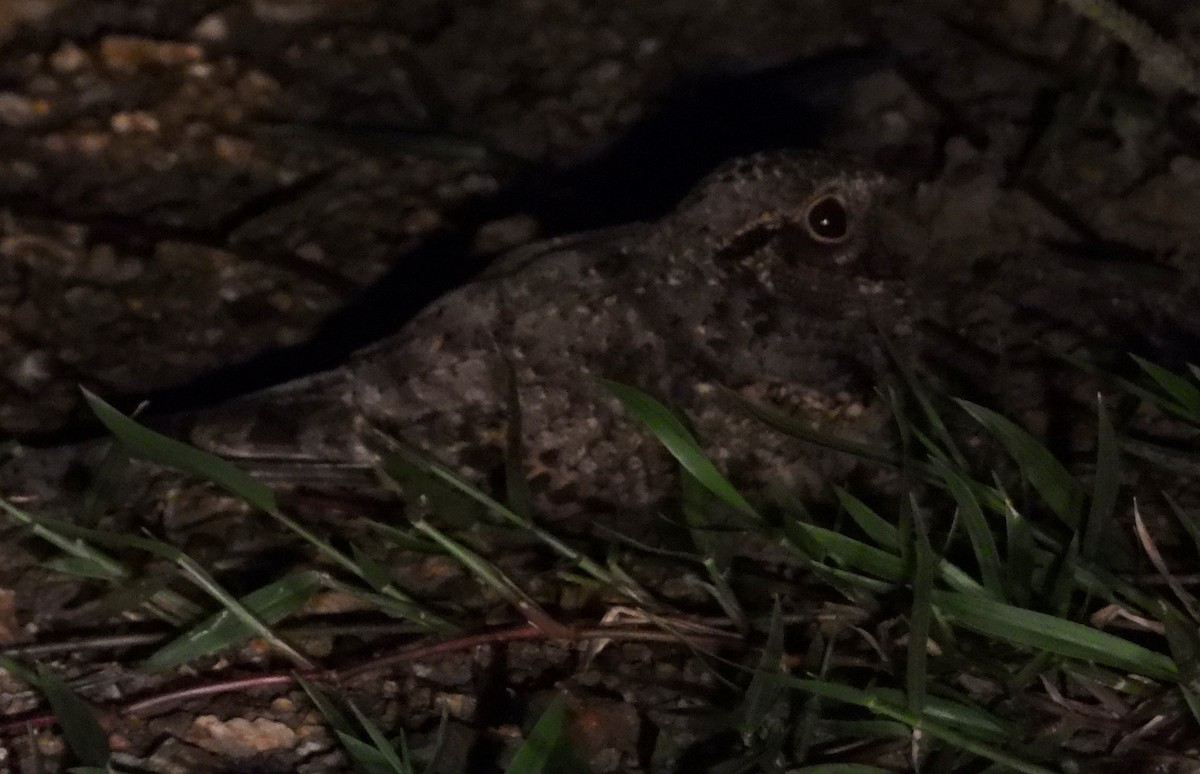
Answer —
827 219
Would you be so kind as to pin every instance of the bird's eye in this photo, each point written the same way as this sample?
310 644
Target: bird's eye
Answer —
827 220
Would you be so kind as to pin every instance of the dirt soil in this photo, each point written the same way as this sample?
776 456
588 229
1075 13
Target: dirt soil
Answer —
199 199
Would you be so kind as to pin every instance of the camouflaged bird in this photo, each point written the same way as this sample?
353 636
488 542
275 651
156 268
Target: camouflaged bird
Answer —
756 282
770 279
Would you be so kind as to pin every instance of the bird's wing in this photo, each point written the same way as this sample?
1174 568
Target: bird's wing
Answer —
443 369
300 430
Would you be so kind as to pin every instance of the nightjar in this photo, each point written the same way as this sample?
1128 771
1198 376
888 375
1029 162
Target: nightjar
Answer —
762 281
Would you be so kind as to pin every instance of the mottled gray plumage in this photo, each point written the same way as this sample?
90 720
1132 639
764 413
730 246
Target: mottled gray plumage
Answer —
758 281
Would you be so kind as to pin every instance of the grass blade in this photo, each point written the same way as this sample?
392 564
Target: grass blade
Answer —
388 753
1022 556
925 401
520 500
1106 485
1192 700
86 737
715 550
855 554
1042 469
1181 390
271 603
199 577
673 435
796 534
401 463
765 689
145 443
1060 577
920 614
1188 521
1039 631
889 704
364 757
194 572
1182 639
876 527
979 532
803 431
492 576
546 745
1133 388
333 715
67 538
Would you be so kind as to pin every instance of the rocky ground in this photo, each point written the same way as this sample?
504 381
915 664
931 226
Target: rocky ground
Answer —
198 199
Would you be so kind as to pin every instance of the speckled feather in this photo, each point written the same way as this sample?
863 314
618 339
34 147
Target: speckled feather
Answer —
731 289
